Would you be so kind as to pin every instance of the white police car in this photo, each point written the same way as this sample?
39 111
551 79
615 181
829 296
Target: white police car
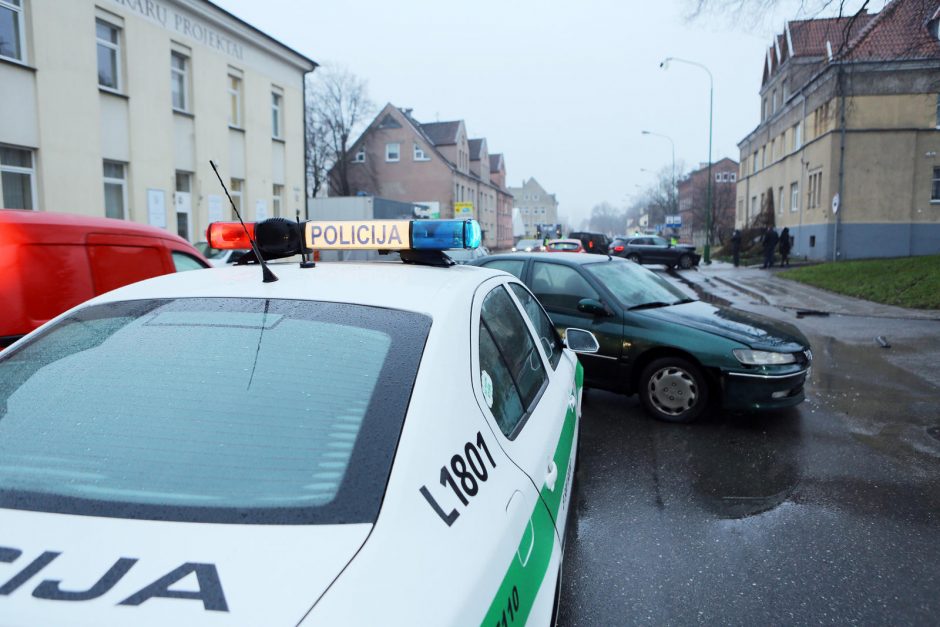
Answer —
363 444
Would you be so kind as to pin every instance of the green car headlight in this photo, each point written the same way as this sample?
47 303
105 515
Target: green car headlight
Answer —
762 358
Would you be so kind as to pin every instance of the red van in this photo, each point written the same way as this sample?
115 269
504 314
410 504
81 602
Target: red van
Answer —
50 262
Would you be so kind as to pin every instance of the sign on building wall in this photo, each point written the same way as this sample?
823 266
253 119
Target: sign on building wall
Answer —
463 210
215 208
156 207
261 210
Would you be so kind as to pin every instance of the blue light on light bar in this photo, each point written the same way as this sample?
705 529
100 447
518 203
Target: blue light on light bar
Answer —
445 234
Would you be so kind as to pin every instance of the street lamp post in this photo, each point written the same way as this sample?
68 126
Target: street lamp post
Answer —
708 194
675 192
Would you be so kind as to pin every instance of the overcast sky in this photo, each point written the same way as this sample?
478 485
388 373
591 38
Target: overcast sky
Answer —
562 89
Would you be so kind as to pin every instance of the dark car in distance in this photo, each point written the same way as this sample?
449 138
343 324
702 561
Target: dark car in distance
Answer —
677 353
653 249
597 243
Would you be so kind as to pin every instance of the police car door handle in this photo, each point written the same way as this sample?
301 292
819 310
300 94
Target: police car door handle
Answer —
552 476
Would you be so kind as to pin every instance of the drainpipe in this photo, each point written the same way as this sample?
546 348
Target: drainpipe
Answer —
799 192
836 253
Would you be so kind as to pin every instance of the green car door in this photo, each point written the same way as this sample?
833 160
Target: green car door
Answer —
561 288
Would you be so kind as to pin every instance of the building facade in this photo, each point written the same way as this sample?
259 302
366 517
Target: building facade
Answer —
846 151
119 105
693 193
536 206
435 164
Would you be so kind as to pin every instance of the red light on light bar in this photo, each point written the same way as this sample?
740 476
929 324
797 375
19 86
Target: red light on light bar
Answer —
230 235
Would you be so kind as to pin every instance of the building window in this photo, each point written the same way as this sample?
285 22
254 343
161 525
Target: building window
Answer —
740 215
780 200
109 55
774 100
754 163
763 156
115 190
236 188
360 156
419 154
753 207
179 81
938 110
276 102
16 178
794 196
734 177
11 29
935 195
718 177
183 199
797 136
235 101
276 194
393 151
773 150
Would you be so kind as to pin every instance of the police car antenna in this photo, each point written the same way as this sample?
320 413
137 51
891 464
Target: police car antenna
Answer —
267 275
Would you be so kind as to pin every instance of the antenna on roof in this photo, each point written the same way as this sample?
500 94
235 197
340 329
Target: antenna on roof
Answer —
268 276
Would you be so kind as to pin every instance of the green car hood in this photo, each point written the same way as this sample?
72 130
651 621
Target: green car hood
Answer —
758 332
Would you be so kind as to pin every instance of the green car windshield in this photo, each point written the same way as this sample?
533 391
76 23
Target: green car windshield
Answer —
634 285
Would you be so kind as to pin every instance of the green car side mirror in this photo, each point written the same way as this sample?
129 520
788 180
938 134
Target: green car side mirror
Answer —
593 307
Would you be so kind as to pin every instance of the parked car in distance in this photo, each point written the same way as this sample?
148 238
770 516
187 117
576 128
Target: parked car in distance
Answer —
653 249
597 243
527 246
219 258
54 261
464 256
677 353
564 246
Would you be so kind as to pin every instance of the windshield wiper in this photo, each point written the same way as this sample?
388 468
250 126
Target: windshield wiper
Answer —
683 301
651 305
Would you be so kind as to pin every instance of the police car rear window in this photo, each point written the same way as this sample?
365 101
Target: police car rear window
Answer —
210 410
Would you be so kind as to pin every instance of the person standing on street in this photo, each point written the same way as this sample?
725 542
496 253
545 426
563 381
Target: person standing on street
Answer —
736 247
770 242
784 247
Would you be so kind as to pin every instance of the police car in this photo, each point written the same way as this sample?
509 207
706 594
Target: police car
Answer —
366 444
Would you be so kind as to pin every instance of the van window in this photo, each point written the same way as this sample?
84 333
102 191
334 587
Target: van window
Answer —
183 262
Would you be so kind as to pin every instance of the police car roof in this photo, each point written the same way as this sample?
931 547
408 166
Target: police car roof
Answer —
381 284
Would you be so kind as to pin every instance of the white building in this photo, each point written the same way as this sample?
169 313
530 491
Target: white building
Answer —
115 108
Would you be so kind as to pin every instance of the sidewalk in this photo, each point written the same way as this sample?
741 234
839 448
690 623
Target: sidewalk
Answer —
764 286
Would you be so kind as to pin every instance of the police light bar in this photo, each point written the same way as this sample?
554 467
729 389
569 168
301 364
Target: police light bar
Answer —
393 235
230 235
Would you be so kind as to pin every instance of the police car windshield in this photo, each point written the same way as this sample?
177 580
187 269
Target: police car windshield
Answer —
209 410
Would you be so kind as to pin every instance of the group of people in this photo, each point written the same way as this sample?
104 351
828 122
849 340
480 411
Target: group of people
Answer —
770 241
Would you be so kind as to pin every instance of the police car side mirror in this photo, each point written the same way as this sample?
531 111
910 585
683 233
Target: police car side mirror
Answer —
581 341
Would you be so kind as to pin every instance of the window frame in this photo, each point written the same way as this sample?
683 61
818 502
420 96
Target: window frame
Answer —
16 169
277 114
20 24
122 182
237 192
277 196
359 156
235 88
418 154
935 187
388 152
116 47
183 75
794 197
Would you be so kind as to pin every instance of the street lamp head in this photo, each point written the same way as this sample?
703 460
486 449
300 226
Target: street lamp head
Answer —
665 63
645 132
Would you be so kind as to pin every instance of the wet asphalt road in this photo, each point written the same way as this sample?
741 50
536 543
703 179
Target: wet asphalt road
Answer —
824 513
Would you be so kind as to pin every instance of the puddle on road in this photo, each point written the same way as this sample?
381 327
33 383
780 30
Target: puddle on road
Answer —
883 405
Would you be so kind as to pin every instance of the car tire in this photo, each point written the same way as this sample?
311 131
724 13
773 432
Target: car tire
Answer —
685 262
635 258
673 389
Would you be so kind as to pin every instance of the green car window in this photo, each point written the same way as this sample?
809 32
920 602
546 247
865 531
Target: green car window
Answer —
632 284
560 287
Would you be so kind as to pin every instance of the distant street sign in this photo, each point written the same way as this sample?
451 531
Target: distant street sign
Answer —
674 220
463 209
835 204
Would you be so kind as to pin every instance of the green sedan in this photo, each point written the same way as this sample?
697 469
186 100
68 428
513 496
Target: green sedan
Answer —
677 353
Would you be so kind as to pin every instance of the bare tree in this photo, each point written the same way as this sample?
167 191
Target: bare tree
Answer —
606 218
338 105
768 12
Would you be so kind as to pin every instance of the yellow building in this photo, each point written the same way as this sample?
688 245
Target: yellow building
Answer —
115 108
846 150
